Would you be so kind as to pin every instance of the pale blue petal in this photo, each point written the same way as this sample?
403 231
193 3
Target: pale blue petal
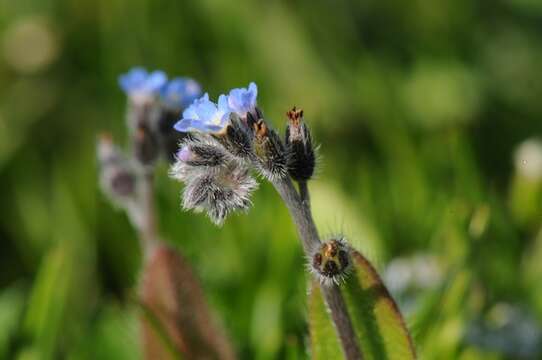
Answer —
132 79
253 89
190 113
155 81
180 92
243 100
223 104
183 125
206 111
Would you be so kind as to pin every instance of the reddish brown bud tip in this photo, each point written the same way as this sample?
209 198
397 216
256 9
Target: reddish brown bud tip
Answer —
295 116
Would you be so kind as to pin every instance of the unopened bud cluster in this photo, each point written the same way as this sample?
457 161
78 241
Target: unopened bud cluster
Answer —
216 181
227 139
331 261
154 104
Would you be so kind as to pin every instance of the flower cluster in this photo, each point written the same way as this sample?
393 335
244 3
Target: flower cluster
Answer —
227 139
207 117
154 105
139 84
216 181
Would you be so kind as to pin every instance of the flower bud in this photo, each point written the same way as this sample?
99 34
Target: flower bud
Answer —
220 193
269 151
237 137
301 159
331 262
199 155
117 176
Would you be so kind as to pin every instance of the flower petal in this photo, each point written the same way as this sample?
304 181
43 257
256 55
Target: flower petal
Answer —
183 125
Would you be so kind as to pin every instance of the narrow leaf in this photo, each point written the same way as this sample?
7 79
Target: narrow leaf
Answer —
323 339
176 319
380 327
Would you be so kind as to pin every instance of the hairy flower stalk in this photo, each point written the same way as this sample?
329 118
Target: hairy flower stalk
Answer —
227 139
301 214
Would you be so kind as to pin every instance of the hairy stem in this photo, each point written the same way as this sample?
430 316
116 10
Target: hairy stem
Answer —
148 229
142 212
299 206
301 214
304 193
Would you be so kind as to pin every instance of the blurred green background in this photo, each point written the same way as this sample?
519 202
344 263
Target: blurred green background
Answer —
422 109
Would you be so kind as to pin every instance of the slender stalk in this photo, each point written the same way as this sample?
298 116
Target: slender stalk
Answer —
301 214
142 212
148 229
299 206
304 193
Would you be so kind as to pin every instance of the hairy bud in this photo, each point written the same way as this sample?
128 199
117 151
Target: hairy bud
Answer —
216 181
220 193
269 151
117 176
331 262
237 137
301 159
197 156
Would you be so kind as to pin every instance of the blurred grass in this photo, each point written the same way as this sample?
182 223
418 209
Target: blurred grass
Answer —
418 107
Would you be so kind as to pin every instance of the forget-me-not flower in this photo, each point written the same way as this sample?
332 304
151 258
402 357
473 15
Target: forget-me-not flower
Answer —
243 100
205 116
180 92
139 83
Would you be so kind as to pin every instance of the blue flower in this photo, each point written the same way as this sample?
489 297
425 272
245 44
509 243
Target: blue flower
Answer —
139 82
243 100
205 116
180 92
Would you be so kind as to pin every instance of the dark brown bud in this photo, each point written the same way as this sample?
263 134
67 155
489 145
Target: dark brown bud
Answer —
301 157
269 151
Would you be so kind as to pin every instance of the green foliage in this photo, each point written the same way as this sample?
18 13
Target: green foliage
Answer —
324 343
378 322
418 107
379 325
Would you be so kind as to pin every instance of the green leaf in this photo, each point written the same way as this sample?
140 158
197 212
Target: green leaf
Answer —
323 340
177 323
381 329
379 325
11 306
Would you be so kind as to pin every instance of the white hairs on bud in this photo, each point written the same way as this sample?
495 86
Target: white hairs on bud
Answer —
331 262
216 181
219 194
